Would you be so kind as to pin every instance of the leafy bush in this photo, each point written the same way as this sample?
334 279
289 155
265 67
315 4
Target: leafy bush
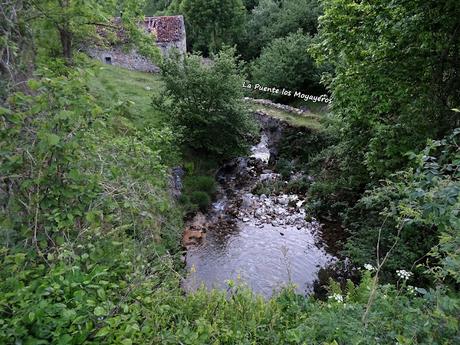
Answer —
94 291
272 19
66 171
198 192
382 92
205 184
211 24
419 207
201 199
106 292
206 102
286 63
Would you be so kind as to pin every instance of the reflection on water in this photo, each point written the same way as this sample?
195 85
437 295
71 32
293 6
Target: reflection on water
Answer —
264 257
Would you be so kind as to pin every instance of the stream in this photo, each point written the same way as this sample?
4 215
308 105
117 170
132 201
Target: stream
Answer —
260 241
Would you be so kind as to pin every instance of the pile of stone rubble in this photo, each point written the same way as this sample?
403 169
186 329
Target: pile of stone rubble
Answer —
279 211
279 106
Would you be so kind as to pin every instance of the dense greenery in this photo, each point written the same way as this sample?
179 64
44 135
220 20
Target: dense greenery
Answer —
211 23
155 7
272 19
396 79
286 63
90 235
77 306
205 102
388 99
198 192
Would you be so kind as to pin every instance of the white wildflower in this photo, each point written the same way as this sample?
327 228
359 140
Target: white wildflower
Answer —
338 297
403 274
369 267
411 289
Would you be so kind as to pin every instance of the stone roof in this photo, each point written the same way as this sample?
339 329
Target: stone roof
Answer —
166 28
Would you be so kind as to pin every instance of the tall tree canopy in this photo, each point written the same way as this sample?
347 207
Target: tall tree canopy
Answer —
286 63
211 23
272 19
397 78
153 7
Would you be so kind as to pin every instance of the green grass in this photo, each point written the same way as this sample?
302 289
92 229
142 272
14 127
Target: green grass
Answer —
318 108
308 120
112 84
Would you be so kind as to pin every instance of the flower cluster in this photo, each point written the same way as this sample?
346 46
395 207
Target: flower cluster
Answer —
403 274
369 267
411 289
338 297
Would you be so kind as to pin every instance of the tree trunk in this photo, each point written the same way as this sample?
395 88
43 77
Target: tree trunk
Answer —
66 43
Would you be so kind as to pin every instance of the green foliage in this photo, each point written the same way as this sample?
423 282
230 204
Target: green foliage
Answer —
65 170
201 199
200 183
272 19
286 63
424 200
65 26
155 7
299 146
86 298
206 102
41 159
250 4
94 291
387 89
16 58
198 192
211 24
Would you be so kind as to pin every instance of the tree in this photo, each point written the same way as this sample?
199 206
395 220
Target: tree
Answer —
396 78
153 7
16 62
250 4
75 21
286 63
212 23
206 102
272 19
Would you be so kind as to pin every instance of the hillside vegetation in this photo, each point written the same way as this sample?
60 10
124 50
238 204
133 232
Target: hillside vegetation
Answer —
89 232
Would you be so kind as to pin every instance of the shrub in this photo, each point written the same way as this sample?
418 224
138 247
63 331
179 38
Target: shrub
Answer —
205 102
423 202
205 184
201 199
286 63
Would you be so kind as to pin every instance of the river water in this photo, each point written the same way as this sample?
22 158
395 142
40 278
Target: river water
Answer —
261 241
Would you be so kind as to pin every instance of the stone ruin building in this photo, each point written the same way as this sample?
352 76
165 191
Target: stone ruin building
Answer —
169 32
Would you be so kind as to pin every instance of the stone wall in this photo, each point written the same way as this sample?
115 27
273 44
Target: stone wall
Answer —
167 47
118 57
170 35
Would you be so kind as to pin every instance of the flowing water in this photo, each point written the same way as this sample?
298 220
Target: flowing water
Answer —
262 241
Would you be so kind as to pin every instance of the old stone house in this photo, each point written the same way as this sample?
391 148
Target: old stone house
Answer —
169 32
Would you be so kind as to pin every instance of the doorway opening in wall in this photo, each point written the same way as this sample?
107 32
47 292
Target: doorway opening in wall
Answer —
108 60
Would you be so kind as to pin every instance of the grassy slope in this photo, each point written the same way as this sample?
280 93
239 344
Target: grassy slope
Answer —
113 84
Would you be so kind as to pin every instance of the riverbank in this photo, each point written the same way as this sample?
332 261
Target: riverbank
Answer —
260 240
